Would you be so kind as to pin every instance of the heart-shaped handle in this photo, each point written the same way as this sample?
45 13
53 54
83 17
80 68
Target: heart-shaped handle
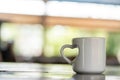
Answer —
62 52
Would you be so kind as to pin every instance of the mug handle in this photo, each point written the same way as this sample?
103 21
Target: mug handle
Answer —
62 52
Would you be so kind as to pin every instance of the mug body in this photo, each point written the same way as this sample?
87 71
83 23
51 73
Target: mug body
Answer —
91 57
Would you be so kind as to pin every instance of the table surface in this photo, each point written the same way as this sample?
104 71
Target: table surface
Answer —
34 71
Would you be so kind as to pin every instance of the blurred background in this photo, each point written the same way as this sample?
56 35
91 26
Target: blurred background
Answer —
35 30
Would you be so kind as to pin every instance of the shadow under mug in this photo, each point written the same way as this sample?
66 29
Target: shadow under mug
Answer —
88 77
91 56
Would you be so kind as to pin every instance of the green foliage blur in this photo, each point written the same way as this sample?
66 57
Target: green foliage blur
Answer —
113 43
60 35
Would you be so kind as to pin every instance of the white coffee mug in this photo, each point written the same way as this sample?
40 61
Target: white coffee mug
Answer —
91 57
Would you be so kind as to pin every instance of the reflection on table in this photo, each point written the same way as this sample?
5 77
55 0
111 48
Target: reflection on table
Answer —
33 71
89 77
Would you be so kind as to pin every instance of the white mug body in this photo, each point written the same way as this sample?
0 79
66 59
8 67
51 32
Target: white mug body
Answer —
91 57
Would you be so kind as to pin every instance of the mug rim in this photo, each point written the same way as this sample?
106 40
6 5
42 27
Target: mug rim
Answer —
89 38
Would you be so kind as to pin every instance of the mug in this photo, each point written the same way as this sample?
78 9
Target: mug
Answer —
91 56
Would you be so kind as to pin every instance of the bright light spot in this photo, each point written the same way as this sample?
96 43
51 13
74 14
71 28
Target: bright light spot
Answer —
7 33
29 40
57 32
112 78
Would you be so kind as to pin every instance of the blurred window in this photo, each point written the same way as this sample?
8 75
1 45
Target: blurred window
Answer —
56 23
27 38
61 8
